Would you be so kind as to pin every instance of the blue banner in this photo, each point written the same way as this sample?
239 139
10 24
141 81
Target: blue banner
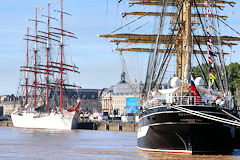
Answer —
132 105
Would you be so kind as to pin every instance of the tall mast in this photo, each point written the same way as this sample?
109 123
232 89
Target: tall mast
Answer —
48 48
35 62
180 42
187 42
50 67
26 74
61 63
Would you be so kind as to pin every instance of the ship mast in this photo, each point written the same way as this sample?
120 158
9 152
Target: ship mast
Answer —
180 42
187 43
61 65
26 73
50 68
48 49
35 61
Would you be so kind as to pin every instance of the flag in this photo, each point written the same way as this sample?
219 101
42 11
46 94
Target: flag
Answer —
212 77
194 88
212 53
208 29
210 61
210 21
208 10
212 68
209 42
211 50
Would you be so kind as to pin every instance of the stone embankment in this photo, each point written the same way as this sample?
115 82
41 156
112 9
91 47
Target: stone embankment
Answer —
6 124
106 126
101 126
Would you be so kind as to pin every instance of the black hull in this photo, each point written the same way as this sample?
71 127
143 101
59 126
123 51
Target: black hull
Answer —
178 132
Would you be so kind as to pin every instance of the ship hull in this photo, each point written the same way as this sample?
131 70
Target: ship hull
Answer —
60 121
178 132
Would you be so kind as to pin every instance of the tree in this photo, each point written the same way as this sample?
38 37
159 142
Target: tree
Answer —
196 70
233 72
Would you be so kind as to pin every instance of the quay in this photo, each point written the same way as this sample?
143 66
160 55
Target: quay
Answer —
6 124
99 125
109 126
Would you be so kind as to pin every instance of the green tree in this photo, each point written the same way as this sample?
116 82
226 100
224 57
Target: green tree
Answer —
196 71
233 72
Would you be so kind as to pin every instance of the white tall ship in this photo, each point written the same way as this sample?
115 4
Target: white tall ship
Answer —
48 102
62 120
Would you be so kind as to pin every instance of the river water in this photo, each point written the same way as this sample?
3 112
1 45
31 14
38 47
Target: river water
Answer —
34 144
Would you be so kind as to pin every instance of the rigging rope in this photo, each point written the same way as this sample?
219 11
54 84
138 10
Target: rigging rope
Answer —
141 26
127 24
159 76
155 54
204 31
230 115
221 57
129 80
228 26
204 76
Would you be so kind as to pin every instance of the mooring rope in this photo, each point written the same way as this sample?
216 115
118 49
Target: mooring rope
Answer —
207 116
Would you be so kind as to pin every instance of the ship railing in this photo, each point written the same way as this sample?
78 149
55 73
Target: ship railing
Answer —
187 100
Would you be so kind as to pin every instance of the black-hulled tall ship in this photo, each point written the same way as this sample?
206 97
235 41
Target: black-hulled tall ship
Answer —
191 113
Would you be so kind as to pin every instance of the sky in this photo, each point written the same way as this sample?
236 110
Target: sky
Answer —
91 54
99 66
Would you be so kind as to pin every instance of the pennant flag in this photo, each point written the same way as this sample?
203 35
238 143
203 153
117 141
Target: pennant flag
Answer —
210 49
212 77
211 53
208 29
208 10
210 61
209 41
212 68
210 21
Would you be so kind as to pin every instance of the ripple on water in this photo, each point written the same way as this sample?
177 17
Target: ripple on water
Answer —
82 144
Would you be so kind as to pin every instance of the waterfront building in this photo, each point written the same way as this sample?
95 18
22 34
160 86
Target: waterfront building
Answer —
114 98
89 101
8 103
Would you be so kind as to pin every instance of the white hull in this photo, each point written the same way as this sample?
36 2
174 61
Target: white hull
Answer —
62 121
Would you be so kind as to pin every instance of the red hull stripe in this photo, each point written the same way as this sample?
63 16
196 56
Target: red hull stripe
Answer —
165 151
